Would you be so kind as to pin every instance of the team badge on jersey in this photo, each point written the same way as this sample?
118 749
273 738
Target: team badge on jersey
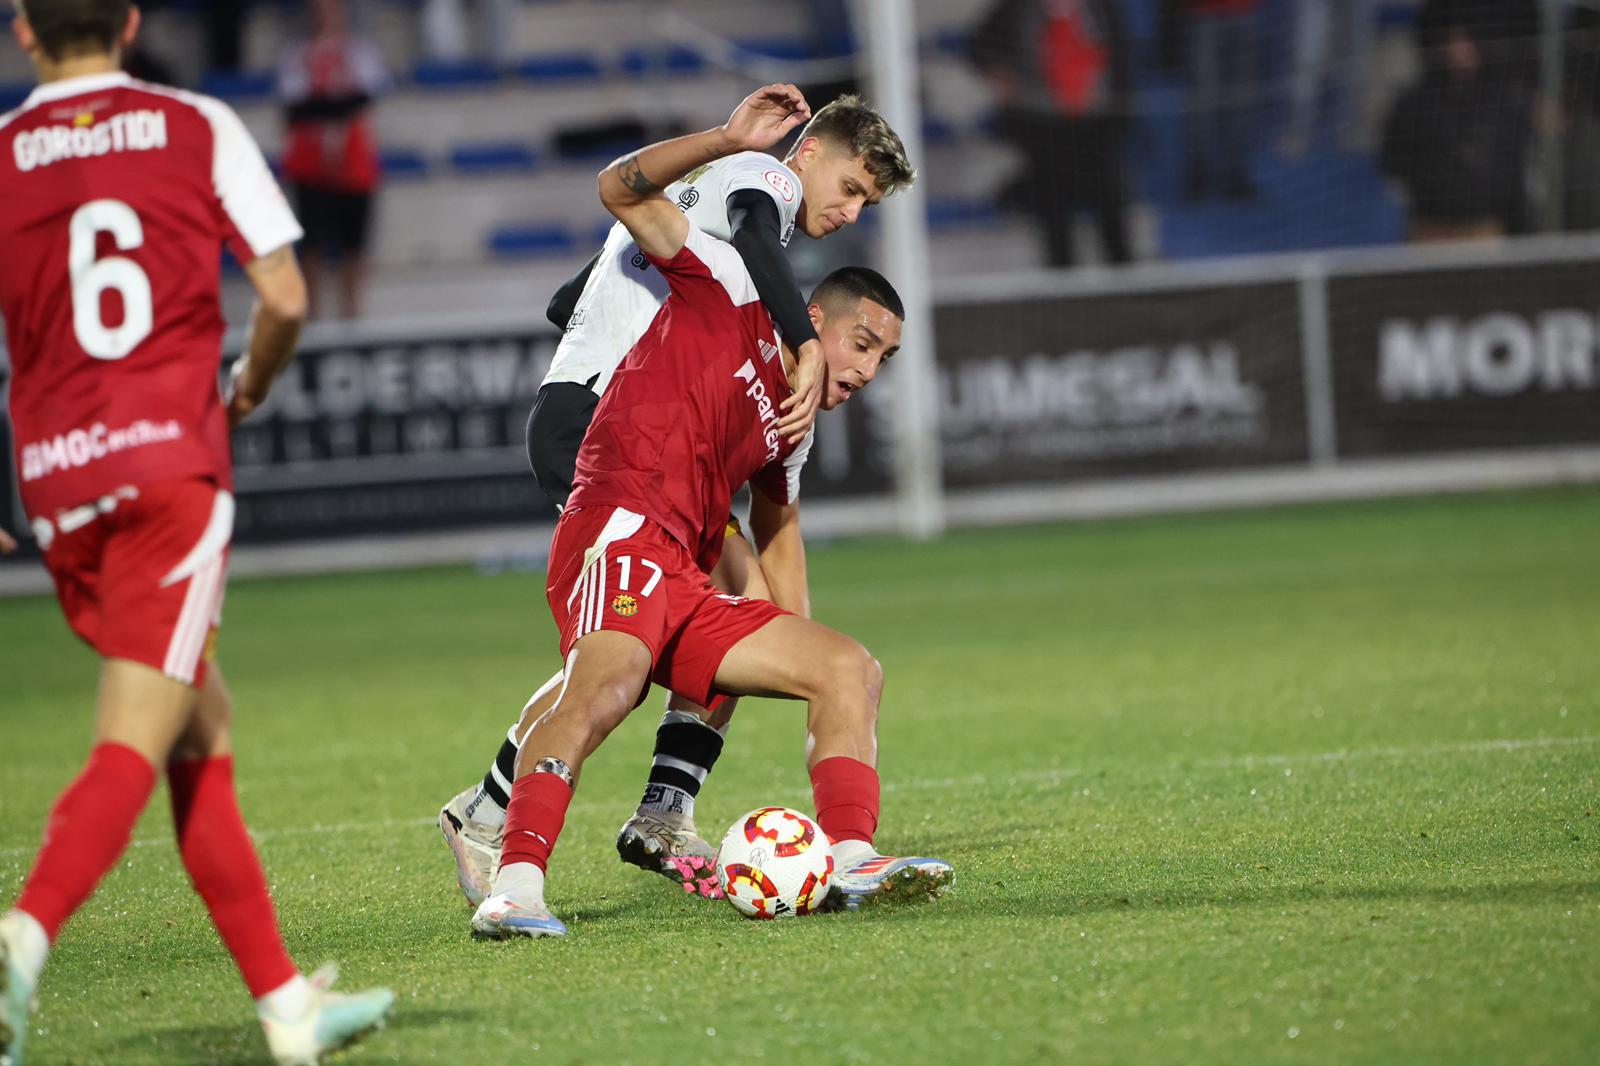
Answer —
625 605
688 198
781 182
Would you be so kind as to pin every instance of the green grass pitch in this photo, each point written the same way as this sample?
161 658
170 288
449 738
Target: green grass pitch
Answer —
1312 785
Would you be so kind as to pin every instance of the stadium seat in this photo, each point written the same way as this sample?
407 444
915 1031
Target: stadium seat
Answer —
665 61
563 69
529 240
404 164
495 157
239 84
454 75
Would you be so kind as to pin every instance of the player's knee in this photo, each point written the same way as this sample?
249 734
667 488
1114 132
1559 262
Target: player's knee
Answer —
856 675
601 705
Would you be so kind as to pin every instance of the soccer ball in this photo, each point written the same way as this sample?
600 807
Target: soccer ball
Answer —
775 863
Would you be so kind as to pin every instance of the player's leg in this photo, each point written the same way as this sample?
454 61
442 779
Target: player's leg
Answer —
605 674
661 835
302 1017
474 819
138 714
842 684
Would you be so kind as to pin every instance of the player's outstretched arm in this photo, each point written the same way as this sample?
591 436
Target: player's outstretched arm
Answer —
275 323
631 187
782 551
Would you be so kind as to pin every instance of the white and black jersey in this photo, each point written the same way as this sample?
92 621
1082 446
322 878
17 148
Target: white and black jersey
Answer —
624 292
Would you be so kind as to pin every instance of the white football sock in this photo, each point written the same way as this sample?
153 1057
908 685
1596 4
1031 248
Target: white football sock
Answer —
523 882
288 1001
666 799
26 941
846 853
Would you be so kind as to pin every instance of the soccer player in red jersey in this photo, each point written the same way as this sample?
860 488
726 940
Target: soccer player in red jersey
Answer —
116 199
691 415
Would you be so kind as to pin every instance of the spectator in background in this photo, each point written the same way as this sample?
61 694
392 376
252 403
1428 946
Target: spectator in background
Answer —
1061 75
1332 49
1221 58
327 85
1458 141
445 35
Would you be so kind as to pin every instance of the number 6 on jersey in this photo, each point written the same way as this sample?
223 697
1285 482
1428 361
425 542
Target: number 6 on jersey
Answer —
91 277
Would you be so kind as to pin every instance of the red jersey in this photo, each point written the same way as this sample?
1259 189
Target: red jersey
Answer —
332 152
116 198
692 412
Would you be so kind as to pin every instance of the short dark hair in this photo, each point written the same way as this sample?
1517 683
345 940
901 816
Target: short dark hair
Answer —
858 283
72 27
850 122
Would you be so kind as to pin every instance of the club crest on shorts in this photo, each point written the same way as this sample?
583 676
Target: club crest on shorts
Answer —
625 605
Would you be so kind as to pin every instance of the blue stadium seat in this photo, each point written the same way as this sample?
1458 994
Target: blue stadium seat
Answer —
404 164
564 68
494 157
239 84
644 62
777 47
466 74
952 42
531 240
936 131
12 95
961 213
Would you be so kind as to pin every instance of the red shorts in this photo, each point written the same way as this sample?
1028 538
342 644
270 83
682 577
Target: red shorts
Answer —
139 573
615 570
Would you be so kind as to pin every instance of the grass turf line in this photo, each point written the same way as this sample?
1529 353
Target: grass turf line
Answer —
1222 788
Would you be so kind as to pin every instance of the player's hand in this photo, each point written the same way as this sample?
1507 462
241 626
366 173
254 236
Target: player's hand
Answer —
766 116
8 543
799 412
241 395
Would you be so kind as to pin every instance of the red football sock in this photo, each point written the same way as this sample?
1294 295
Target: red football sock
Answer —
87 832
222 863
845 791
534 818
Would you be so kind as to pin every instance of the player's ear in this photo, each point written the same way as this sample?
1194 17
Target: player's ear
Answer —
805 152
131 30
23 32
817 316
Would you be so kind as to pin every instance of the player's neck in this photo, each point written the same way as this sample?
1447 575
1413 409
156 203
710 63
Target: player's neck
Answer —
76 67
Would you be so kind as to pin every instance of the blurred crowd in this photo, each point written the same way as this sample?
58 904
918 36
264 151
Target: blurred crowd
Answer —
1473 125
1486 140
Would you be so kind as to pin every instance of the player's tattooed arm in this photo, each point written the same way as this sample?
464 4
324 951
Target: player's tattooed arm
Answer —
633 178
634 196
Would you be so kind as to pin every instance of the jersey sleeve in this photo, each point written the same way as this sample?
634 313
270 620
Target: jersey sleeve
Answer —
755 170
779 480
257 217
706 266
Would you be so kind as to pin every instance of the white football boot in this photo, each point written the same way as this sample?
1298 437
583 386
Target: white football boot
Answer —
16 1002
334 1020
884 879
474 845
669 845
501 918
